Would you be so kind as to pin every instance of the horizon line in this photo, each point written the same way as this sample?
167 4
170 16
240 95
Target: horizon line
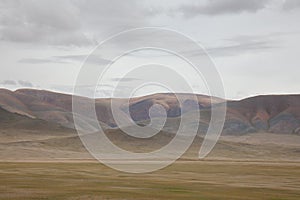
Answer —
152 93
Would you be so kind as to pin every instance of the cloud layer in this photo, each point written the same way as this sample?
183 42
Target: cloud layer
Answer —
46 41
65 22
220 7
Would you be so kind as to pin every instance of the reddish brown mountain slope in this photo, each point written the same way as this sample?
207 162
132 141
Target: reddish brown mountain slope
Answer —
273 113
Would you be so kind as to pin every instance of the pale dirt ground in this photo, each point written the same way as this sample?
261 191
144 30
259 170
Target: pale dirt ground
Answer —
266 139
33 146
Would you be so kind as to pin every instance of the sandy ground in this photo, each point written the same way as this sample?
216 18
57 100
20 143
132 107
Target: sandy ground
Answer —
32 146
266 139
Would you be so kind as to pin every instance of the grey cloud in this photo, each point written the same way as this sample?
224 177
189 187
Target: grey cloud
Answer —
124 79
70 57
103 90
16 83
65 59
219 7
66 22
80 58
291 5
237 49
244 44
89 88
62 88
52 22
39 60
237 45
25 83
8 82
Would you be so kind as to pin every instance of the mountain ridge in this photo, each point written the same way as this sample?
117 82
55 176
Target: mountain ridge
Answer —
263 113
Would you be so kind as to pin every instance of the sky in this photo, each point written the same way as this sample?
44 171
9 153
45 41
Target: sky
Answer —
254 45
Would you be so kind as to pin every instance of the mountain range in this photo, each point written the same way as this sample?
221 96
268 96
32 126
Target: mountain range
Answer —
269 113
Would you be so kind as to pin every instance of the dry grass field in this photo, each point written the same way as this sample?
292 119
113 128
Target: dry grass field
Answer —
182 180
38 164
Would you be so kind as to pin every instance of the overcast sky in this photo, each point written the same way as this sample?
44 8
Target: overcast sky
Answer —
254 44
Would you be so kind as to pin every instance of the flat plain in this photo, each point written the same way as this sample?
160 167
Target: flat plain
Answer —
48 166
182 180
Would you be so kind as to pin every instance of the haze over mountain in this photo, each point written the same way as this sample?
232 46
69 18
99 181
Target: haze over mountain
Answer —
270 113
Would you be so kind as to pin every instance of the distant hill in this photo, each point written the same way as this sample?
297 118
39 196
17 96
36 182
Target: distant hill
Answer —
271 113
9 121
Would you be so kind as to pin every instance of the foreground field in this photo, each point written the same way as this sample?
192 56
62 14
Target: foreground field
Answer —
51 163
182 180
